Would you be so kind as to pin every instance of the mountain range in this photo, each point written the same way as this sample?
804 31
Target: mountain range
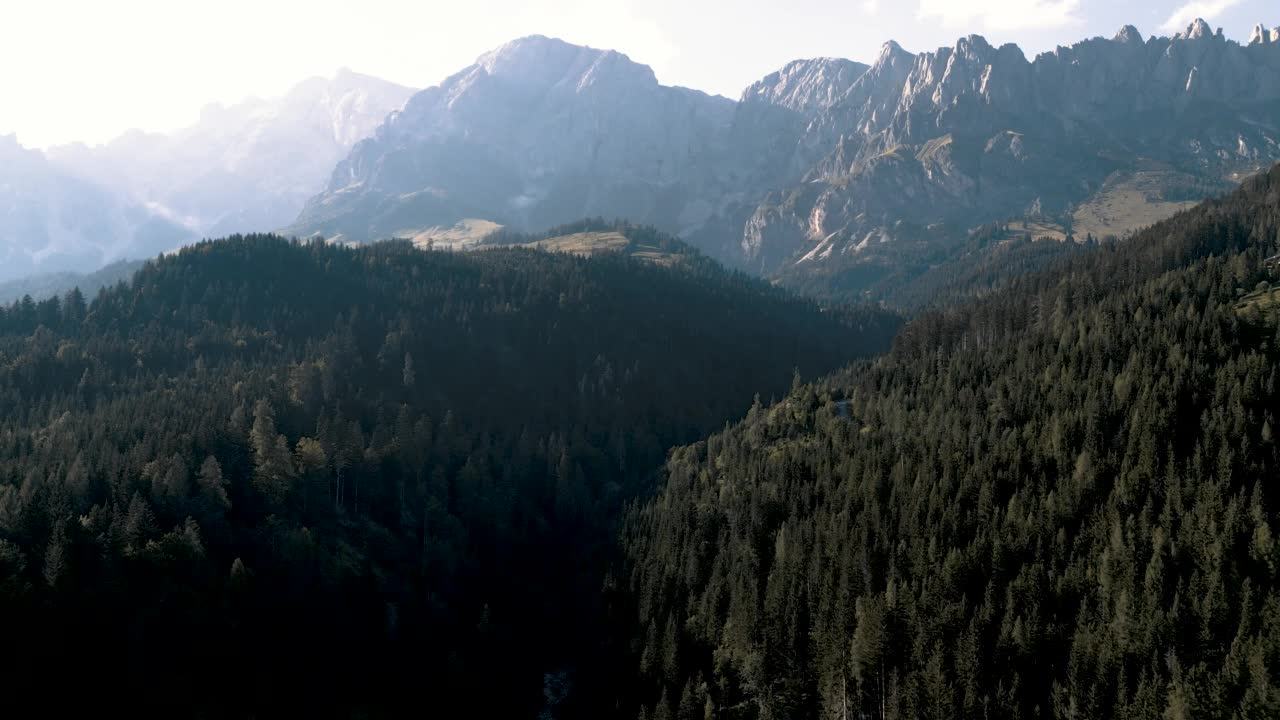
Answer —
827 164
829 174
975 133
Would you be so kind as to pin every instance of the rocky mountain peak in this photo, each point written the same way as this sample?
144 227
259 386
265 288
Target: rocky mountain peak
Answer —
1197 30
891 55
973 46
970 69
1128 35
534 132
538 62
806 86
1262 36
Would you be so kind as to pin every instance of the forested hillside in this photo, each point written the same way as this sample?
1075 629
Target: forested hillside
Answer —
1060 502
274 479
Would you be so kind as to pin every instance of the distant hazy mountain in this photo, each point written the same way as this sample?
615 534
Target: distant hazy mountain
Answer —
53 222
56 284
536 133
826 163
250 166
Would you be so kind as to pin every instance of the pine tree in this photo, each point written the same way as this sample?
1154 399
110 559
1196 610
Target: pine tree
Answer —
212 488
272 462
55 555
409 377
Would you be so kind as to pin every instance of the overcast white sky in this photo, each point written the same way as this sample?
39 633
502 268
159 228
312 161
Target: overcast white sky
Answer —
89 69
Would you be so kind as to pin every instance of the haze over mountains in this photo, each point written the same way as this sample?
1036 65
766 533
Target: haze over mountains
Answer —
240 168
51 220
243 167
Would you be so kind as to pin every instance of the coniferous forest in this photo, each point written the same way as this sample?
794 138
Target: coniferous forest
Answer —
272 478
1058 502
278 478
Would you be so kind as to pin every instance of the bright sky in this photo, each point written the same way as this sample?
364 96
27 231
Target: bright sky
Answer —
89 69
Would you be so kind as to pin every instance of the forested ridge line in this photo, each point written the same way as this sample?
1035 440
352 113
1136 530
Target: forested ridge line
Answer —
275 477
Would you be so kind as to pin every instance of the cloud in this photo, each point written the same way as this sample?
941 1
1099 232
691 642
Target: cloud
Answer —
1003 14
1185 15
871 7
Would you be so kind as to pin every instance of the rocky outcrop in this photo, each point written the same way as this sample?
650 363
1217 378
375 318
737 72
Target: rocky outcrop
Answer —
1262 36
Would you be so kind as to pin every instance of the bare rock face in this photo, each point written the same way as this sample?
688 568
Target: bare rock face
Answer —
534 133
805 87
971 133
775 114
